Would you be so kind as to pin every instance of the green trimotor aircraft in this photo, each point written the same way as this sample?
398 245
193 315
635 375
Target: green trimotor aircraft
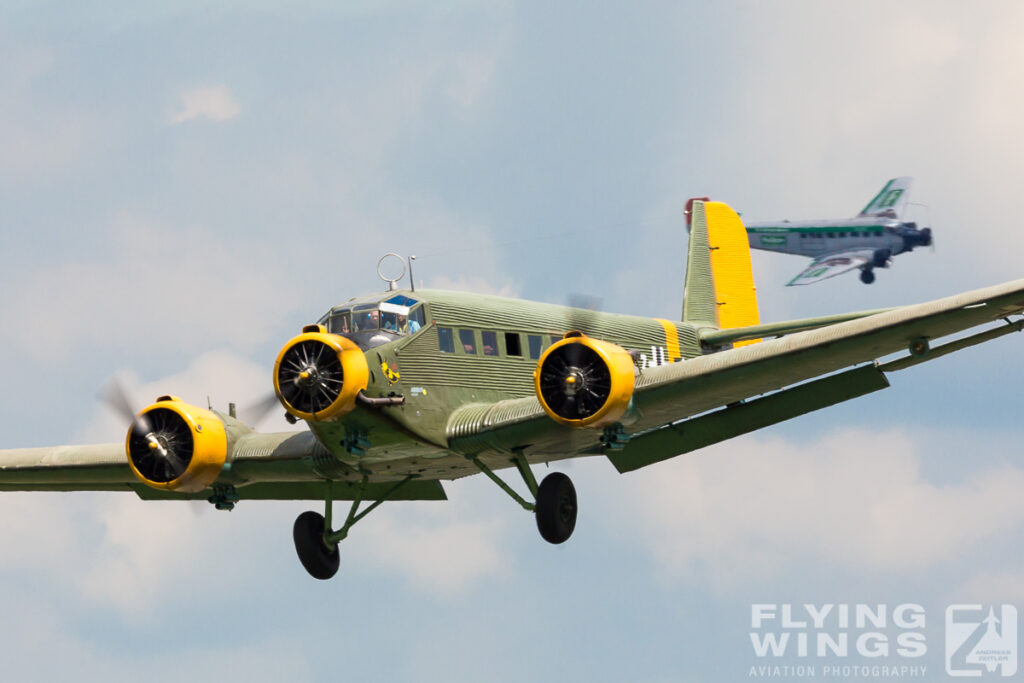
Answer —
405 389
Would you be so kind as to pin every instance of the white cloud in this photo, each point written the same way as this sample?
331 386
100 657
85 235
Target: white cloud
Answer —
213 102
471 76
220 377
992 587
130 555
757 506
477 284
437 550
38 140
154 286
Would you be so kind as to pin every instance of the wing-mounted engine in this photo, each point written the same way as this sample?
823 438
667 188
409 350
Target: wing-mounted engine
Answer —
584 382
318 375
175 446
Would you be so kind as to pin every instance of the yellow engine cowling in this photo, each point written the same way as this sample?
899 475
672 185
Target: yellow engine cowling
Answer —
317 375
175 446
584 382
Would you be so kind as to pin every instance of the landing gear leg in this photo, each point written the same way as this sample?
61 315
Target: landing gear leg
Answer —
867 276
315 542
555 507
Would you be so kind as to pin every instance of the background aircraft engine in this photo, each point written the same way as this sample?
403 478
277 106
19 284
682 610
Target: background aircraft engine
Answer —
584 382
318 375
175 446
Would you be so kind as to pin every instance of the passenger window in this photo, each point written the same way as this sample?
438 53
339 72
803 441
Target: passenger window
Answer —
489 342
445 340
512 347
468 342
534 342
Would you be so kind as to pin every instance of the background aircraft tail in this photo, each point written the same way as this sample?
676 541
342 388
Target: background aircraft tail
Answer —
891 199
719 288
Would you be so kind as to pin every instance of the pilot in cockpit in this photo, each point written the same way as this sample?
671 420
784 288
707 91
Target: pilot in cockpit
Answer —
366 320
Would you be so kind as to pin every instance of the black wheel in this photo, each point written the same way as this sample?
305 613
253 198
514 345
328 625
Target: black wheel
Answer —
308 532
867 276
556 508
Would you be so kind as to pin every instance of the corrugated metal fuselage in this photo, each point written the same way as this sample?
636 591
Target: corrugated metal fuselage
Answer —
413 438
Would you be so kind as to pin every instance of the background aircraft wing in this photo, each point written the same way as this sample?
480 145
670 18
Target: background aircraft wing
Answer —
830 265
682 406
891 200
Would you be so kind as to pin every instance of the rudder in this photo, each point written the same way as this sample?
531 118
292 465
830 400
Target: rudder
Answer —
719 286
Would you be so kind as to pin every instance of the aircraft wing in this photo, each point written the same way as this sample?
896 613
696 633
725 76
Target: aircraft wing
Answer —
262 467
749 387
891 200
830 265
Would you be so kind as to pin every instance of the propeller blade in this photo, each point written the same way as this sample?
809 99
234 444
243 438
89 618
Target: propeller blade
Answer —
116 396
255 412
583 308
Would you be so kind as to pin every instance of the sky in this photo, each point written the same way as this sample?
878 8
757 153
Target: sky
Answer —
183 186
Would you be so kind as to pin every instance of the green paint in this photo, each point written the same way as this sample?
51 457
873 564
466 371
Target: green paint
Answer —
878 196
853 227
890 199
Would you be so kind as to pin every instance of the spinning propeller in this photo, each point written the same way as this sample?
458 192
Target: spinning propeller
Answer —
160 442
574 381
310 376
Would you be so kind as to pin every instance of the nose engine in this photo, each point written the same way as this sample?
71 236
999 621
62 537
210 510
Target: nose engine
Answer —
584 382
175 446
914 237
318 375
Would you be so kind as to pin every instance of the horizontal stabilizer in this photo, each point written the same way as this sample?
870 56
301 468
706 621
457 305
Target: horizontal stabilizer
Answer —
715 338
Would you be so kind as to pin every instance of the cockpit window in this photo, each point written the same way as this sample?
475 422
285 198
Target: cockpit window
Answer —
389 321
401 300
338 323
416 320
372 324
364 321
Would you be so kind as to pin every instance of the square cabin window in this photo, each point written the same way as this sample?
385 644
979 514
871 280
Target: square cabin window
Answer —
489 342
466 338
512 347
534 343
445 340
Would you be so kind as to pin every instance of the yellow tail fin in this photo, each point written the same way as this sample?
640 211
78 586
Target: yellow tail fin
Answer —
728 264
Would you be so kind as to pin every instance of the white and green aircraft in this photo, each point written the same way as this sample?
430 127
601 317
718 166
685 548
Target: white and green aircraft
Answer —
867 241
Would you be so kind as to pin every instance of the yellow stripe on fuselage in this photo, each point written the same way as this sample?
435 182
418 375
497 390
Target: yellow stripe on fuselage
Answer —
731 271
671 340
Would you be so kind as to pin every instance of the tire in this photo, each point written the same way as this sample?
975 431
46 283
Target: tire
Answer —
308 532
867 277
556 508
